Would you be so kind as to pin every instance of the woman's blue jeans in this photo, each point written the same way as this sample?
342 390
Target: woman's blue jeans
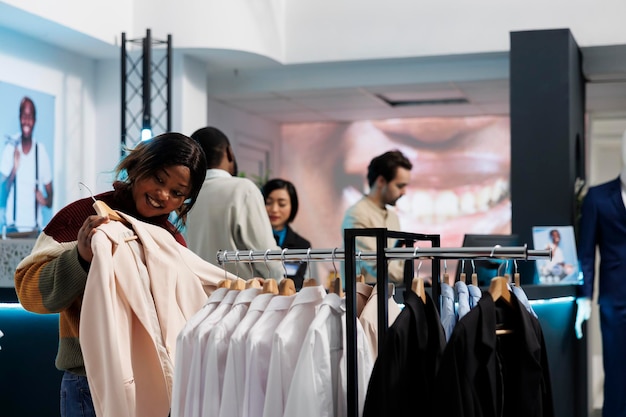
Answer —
75 396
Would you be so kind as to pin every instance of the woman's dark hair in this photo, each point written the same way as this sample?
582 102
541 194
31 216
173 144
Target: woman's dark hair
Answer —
165 150
280 184
386 165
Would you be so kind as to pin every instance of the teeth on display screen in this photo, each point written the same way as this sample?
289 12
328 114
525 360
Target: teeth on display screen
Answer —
436 206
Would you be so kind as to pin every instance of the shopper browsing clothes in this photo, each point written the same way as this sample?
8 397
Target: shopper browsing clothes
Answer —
281 203
158 177
233 215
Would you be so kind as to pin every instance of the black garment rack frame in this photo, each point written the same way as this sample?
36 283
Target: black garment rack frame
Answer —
381 235
383 253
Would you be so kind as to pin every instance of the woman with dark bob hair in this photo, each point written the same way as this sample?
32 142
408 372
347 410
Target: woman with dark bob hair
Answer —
281 203
159 176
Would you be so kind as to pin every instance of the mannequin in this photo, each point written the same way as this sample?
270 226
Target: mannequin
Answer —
603 225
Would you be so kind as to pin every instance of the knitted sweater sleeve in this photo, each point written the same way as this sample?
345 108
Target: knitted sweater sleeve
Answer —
51 278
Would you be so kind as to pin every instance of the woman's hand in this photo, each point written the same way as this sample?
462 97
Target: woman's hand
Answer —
85 233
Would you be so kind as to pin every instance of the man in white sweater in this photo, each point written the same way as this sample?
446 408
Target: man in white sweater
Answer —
230 212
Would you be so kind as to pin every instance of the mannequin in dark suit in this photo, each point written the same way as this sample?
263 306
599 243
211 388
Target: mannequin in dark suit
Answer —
281 203
603 225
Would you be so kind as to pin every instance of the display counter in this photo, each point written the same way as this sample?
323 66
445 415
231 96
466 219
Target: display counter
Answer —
12 251
555 306
29 381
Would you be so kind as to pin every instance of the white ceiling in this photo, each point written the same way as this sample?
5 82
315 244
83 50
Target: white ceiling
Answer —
348 91
353 91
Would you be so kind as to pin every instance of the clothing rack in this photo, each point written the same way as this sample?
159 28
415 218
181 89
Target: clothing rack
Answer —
381 255
435 253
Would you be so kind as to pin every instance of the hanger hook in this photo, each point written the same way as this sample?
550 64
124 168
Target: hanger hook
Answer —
308 261
515 263
224 263
359 258
473 267
250 263
237 263
282 258
333 259
493 251
445 266
265 261
414 257
88 189
462 265
506 268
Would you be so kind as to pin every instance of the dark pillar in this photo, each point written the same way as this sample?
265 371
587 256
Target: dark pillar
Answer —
547 156
547 129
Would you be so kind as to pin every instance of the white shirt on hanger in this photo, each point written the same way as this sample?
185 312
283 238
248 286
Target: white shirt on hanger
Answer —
231 404
258 351
319 383
217 349
286 345
193 397
184 351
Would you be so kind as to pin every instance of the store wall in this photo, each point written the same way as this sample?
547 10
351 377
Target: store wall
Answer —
87 100
256 141
71 79
104 21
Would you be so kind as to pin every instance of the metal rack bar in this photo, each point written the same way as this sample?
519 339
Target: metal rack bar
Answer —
327 255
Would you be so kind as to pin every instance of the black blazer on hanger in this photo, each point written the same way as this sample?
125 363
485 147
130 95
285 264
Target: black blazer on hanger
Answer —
403 377
483 374
295 241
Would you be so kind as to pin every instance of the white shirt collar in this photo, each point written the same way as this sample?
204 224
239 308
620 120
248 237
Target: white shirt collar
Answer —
217 173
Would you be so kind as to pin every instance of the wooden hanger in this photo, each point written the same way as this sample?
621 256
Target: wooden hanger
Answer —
270 286
309 282
360 278
103 210
462 274
238 284
254 283
337 287
225 283
417 286
286 287
498 289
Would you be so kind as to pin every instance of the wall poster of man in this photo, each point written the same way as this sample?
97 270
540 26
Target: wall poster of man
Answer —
26 160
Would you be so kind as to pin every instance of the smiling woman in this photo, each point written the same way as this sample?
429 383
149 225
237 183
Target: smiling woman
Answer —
459 181
161 175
